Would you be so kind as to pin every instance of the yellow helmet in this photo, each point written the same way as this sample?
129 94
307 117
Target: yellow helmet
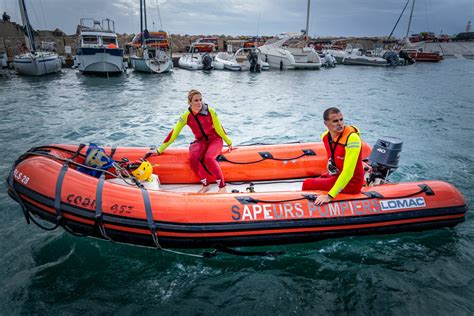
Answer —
144 171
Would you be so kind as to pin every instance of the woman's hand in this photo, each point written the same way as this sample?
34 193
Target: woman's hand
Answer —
151 153
230 148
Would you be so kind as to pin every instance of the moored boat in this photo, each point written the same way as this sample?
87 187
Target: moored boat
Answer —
198 61
289 51
152 50
98 49
31 61
264 206
419 55
245 59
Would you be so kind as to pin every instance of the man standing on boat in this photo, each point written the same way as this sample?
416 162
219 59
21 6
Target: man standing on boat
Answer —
345 170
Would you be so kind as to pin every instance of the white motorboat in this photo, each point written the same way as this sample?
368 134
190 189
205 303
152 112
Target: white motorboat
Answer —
250 59
198 61
190 61
289 51
228 61
31 61
355 56
98 51
153 52
328 60
338 54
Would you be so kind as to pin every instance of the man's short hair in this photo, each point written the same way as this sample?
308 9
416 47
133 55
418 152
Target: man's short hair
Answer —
330 111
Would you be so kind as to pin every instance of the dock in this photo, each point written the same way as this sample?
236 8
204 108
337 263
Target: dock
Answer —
451 49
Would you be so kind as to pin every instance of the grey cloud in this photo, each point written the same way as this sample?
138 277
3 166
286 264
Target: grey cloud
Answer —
240 17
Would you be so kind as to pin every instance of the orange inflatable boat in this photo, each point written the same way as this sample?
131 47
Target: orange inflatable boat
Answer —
264 206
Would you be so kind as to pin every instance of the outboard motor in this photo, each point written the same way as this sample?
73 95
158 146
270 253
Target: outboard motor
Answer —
206 62
404 55
253 60
392 58
383 160
329 60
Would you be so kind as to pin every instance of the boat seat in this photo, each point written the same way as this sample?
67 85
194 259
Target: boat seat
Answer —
240 59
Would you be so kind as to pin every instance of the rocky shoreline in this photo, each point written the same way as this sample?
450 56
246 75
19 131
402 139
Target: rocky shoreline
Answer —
12 38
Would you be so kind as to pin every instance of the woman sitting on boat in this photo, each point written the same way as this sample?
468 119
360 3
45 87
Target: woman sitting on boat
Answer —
209 134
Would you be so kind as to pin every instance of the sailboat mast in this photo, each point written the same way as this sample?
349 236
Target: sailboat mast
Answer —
141 23
144 14
411 14
307 19
403 11
30 40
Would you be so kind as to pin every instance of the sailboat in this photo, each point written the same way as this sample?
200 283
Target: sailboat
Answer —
31 61
149 57
414 51
289 50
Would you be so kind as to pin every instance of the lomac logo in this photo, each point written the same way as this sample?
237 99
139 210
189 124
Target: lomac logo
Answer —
388 205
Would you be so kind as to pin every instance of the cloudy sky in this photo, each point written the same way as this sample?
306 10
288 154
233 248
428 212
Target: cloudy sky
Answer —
249 17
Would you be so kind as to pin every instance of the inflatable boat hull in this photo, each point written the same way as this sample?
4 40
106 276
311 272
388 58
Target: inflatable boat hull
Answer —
53 190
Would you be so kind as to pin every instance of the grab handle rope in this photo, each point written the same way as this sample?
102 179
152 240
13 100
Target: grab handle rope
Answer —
266 156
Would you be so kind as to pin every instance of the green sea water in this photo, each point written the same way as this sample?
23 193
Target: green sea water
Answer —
429 106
